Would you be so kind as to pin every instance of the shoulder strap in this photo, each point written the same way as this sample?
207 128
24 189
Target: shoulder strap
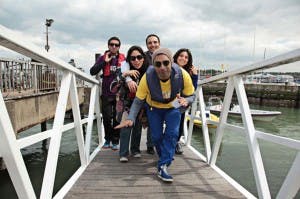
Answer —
154 84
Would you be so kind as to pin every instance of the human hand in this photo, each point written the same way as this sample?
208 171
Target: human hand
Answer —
125 123
132 85
182 101
194 70
134 73
108 57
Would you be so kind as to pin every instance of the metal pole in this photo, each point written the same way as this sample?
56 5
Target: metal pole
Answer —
48 24
47 46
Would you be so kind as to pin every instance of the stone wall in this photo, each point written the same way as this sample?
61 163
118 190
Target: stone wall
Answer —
28 111
262 94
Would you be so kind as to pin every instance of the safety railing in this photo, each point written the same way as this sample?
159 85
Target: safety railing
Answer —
19 76
10 147
235 82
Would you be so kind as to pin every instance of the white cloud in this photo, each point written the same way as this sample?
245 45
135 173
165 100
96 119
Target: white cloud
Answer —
216 32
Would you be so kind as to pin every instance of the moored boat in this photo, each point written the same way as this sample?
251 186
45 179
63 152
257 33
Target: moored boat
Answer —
198 122
235 111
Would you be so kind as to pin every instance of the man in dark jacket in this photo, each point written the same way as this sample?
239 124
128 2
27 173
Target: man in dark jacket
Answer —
109 64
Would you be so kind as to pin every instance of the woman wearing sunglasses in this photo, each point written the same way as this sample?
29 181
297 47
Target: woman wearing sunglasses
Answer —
134 67
164 89
183 57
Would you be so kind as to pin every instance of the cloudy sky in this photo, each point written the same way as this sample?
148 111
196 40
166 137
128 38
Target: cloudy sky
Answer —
217 32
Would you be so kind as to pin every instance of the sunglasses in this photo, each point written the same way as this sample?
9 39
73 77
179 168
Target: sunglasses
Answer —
158 64
113 44
138 57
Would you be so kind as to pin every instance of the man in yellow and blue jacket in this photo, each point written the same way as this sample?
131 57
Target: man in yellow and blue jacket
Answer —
165 89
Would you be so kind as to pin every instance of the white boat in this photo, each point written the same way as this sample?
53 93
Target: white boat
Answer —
234 111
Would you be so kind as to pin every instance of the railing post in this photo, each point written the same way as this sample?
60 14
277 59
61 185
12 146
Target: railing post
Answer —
291 183
54 145
253 145
89 128
204 124
77 120
12 156
35 87
100 125
1 76
222 121
192 117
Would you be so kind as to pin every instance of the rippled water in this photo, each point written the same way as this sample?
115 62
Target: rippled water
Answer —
233 157
35 160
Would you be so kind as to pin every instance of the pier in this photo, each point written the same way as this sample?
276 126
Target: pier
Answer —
30 90
196 174
107 177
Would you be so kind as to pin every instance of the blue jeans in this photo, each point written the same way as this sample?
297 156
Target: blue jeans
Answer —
135 132
164 141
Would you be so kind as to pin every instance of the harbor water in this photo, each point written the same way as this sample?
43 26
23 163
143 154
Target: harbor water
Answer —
233 157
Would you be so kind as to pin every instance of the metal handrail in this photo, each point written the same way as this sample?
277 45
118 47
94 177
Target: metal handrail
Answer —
235 82
290 57
10 147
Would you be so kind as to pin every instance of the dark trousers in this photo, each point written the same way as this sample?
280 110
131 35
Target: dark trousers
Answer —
108 107
181 126
135 134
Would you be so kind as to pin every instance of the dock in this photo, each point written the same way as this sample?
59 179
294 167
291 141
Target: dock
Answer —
101 175
107 177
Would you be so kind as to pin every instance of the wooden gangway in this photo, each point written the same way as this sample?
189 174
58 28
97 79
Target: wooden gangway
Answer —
107 177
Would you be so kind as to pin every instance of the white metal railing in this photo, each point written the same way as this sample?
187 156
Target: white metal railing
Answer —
291 183
10 147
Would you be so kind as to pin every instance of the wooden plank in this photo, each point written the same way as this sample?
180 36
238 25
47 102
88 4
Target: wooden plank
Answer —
107 177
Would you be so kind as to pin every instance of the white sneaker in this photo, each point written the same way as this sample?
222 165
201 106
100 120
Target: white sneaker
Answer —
137 155
123 159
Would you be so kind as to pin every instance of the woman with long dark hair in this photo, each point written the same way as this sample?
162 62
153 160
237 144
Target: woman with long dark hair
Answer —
134 67
183 58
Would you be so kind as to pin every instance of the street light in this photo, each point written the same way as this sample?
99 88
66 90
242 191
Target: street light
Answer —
48 24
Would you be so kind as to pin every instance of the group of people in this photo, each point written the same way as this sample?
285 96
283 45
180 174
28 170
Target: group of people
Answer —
151 88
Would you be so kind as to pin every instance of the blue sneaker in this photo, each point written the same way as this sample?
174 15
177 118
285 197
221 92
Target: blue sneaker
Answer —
114 147
106 145
163 174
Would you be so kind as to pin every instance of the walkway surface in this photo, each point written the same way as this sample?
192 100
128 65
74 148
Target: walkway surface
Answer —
107 177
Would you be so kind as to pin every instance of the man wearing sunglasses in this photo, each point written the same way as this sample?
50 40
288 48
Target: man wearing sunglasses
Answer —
165 88
109 64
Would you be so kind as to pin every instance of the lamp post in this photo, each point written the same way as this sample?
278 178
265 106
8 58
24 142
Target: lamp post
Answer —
48 24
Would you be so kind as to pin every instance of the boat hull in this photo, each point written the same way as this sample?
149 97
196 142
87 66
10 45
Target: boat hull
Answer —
198 122
256 114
